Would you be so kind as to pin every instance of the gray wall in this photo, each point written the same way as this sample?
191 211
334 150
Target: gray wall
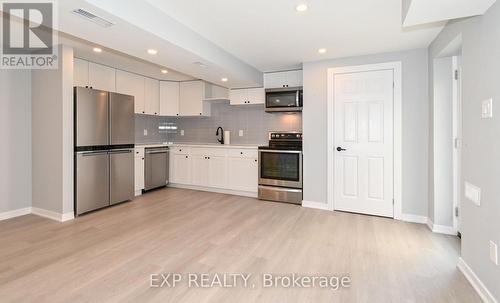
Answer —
481 146
415 126
52 136
252 119
15 134
442 211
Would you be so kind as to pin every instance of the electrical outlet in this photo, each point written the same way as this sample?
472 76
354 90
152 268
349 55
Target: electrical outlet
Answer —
182 132
240 133
494 252
145 132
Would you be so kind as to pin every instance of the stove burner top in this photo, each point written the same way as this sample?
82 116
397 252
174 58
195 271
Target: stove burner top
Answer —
284 141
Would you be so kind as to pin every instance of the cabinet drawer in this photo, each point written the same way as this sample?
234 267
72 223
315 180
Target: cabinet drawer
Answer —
180 150
243 153
139 152
208 151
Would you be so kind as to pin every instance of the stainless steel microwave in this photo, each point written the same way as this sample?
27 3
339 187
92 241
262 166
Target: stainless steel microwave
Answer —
287 99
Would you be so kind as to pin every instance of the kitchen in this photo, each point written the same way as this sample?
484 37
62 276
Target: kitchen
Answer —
315 139
177 141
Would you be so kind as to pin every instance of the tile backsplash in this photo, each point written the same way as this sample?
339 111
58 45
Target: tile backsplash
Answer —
251 119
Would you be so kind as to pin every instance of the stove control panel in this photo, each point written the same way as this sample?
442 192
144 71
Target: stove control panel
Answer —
295 136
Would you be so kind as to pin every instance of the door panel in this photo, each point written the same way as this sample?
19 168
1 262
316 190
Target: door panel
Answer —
364 128
217 172
121 176
199 170
91 117
181 170
92 181
122 119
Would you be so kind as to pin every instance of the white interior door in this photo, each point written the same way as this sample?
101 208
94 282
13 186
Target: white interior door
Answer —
364 142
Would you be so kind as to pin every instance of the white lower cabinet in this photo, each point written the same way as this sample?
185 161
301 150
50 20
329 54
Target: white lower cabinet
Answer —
243 173
139 170
180 165
219 168
199 170
217 172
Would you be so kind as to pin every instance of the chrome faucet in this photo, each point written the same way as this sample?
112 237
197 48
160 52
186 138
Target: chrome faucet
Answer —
221 140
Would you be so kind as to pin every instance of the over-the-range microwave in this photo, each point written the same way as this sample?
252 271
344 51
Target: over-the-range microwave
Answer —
287 99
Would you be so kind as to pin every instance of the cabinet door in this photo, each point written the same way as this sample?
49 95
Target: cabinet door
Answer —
151 96
199 170
243 174
80 72
217 170
181 169
139 173
191 98
256 96
169 98
131 84
238 96
102 77
274 80
294 78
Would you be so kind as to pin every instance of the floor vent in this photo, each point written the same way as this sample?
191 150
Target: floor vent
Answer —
92 17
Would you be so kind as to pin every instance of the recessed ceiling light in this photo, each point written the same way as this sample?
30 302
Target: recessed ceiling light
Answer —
224 79
322 50
152 51
164 71
97 50
301 7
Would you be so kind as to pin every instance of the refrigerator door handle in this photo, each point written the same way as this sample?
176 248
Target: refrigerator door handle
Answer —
89 154
121 151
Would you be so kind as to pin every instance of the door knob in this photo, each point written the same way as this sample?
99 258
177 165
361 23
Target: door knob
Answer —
340 149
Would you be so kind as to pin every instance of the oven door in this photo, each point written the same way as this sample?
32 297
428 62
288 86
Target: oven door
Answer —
280 168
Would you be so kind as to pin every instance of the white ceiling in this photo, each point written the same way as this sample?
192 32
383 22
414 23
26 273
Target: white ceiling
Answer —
426 11
270 35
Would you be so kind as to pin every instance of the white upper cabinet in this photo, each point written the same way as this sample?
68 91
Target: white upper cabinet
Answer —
80 72
101 77
283 79
247 96
169 98
215 92
191 100
132 84
152 96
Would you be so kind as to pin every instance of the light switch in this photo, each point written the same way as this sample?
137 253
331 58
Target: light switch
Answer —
145 132
182 132
493 252
473 193
487 108
240 133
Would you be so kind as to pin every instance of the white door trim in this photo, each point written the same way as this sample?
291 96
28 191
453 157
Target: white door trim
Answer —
397 68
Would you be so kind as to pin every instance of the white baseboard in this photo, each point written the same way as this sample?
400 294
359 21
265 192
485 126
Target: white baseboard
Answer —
316 205
15 213
473 279
52 215
441 229
414 218
215 190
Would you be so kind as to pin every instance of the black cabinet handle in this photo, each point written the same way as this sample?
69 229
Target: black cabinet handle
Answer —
339 149
186 157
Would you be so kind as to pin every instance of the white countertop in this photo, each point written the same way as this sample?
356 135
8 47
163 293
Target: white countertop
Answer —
201 145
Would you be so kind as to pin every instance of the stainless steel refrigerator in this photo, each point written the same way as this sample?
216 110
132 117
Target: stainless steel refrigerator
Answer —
104 145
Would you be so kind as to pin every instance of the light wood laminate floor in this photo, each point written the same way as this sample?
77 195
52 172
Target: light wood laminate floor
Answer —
108 256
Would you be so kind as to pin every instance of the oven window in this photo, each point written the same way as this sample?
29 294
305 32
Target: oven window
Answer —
280 166
281 99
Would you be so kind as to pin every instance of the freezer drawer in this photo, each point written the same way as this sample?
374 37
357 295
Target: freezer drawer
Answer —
92 181
156 168
122 121
121 163
92 116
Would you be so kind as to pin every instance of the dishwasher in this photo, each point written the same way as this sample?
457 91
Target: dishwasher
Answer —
156 167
